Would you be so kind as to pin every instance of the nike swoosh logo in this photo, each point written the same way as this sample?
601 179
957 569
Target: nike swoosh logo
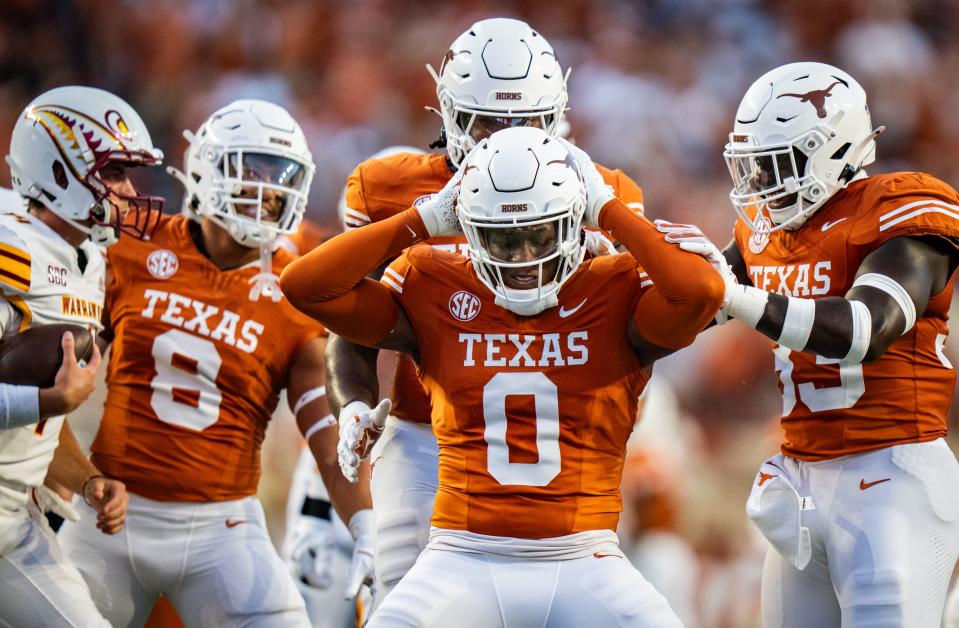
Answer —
826 226
232 523
563 312
598 555
412 233
863 485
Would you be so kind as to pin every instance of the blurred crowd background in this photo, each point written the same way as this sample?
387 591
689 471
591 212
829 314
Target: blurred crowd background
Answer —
653 90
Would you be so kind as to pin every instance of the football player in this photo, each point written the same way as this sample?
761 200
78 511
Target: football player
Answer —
852 276
533 359
203 343
498 74
69 154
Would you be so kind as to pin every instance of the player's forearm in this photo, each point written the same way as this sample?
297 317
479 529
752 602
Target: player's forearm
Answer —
350 374
70 467
330 284
346 498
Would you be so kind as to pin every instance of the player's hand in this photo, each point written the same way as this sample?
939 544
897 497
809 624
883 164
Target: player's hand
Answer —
311 558
598 244
360 428
691 238
361 568
109 498
598 193
73 382
438 212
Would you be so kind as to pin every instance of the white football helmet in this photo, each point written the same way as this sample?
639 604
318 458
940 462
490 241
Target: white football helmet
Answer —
245 158
499 73
59 144
514 181
802 132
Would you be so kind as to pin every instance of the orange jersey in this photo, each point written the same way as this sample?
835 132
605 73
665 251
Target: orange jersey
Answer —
531 414
832 410
195 369
381 188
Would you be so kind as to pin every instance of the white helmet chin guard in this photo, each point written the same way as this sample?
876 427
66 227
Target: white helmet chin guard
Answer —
60 143
802 133
521 205
500 73
248 169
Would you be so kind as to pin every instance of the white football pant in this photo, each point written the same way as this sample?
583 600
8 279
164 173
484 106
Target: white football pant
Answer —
214 561
403 484
39 585
479 590
884 538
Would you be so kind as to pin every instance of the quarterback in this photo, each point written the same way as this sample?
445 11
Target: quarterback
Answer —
202 345
852 276
68 158
500 73
533 359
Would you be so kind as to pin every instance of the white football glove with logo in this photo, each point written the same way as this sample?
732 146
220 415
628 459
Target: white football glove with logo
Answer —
598 192
438 212
360 428
598 244
311 553
361 568
691 238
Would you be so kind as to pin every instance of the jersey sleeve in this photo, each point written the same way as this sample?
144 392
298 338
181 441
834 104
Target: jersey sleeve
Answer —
908 204
625 188
15 262
356 211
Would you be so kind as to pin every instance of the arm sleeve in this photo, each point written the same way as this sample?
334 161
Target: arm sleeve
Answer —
686 291
330 284
19 406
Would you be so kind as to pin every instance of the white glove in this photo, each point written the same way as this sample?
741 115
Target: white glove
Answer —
598 193
438 212
312 549
360 428
691 238
361 568
598 244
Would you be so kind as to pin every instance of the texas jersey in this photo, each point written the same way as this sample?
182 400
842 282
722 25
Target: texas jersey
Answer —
46 280
380 188
833 408
531 414
195 369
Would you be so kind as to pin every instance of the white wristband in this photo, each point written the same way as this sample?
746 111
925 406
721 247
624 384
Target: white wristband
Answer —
861 332
308 397
361 523
797 325
19 405
747 304
895 290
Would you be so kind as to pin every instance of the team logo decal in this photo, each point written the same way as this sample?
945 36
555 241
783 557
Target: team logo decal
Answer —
759 241
162 263
816 98
464 306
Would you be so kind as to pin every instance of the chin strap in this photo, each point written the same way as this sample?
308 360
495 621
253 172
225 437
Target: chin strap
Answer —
527 308
266 282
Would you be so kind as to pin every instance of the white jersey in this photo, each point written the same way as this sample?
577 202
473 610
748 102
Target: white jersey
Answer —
40 277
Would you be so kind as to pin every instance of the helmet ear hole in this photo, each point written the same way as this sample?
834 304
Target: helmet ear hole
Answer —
60 174
841 151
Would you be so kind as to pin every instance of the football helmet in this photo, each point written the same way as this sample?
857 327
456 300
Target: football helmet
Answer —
248 169
60 143
521 205
802 133
499 73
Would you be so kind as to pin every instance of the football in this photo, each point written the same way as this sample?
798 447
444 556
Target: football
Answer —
33 357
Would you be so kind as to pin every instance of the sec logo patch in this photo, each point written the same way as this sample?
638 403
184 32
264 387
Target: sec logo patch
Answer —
759 241
464 306
162 263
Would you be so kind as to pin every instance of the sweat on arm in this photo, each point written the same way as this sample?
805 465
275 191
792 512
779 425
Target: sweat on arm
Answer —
686 291
330 283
